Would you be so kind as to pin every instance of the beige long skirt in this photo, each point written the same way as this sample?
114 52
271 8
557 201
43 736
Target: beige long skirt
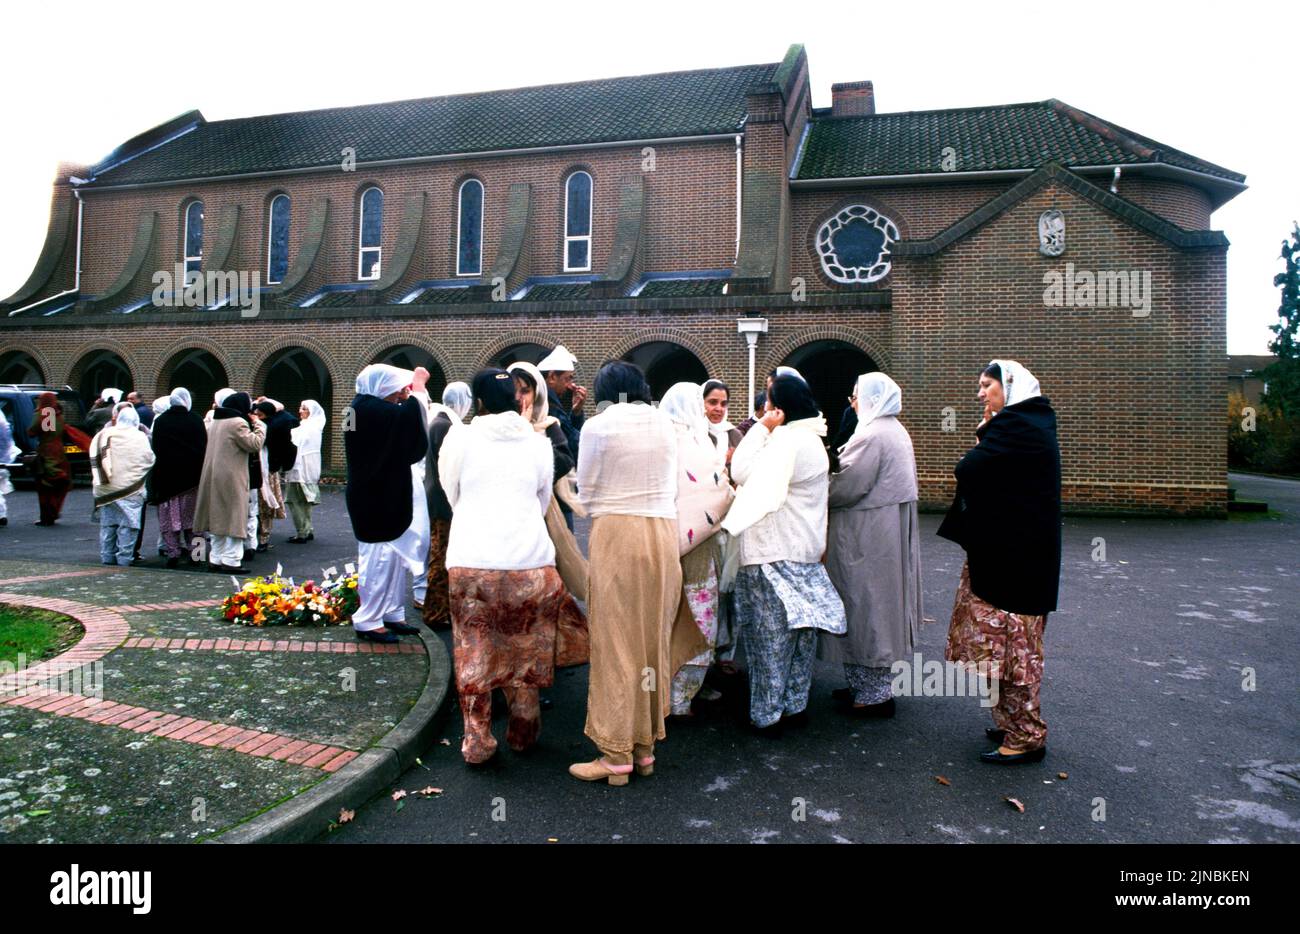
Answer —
634 593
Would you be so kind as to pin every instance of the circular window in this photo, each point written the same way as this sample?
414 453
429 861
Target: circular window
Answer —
854 244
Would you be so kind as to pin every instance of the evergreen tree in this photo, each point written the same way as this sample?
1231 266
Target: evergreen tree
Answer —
1283 377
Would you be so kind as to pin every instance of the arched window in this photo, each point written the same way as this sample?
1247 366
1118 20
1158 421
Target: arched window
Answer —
577 222
193 239
469 250
372 226
277 239
854 245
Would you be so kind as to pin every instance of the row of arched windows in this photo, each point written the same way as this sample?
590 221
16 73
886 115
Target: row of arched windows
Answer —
370 222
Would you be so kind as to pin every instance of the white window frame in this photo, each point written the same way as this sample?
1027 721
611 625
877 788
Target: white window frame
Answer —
591 210
363 250
482 204
185 241
823 242
270 222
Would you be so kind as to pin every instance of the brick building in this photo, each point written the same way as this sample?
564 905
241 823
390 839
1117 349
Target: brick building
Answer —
641 218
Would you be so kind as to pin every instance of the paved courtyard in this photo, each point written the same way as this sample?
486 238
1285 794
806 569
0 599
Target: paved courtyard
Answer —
1150 664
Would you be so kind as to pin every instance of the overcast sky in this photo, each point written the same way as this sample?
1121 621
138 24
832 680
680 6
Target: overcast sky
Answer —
1210 79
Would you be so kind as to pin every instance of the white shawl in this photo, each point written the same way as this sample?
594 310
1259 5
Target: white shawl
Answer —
767 481
120 458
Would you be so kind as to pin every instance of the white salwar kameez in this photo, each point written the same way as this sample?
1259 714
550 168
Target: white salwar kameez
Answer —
384 570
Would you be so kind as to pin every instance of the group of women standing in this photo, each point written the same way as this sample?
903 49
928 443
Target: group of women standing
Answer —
700 531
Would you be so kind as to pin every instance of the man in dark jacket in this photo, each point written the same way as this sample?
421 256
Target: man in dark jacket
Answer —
383 435
281 452
566 401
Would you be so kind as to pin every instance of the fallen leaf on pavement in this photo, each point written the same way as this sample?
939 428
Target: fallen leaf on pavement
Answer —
429 791
1062 775
1015 804
941 780
345 815
399 794
552 839
445 742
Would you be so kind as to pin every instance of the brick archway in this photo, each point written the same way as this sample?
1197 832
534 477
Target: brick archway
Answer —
499 346
332 365
166 359
42 362
82 354
777 354
669 336
397 339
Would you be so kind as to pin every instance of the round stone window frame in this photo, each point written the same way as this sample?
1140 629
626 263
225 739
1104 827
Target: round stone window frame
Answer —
823 242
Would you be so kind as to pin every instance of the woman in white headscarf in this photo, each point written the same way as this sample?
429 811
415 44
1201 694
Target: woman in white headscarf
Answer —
303 478
444 418
384 433
180 444
218 400
873 551
782 589
704 495
1006 515
120 458
572 640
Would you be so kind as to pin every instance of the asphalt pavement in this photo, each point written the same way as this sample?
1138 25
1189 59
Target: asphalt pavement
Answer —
1170 696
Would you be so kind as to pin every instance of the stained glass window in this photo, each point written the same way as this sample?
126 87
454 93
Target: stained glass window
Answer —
577 222
372 227
469 254
277 239
854 244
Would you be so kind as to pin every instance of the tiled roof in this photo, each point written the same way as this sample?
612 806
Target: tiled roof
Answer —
558 292
684 103
681 288
1012 136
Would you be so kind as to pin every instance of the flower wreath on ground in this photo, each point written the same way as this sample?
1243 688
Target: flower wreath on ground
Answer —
276 601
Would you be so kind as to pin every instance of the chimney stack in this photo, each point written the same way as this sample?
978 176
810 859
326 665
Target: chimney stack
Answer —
853 99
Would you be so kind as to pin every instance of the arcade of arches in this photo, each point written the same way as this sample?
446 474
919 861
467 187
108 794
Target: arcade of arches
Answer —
296 373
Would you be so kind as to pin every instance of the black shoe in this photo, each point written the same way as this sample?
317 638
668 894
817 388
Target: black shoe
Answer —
296 540
883 710
996 735
4 521
997 758
402 629
311 536
799 719
227 569
374 635
249 554
172 563
774 731
843 695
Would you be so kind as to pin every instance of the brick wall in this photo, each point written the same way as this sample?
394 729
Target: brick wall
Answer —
690 216
1139 400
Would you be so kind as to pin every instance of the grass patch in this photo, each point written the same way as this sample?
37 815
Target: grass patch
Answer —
35 634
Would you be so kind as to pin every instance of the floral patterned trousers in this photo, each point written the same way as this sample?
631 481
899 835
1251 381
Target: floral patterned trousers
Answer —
1006 647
